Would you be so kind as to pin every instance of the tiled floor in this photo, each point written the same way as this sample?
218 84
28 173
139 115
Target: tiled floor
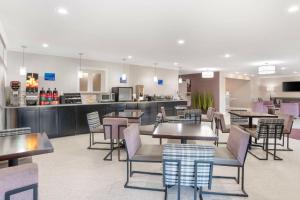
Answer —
74 173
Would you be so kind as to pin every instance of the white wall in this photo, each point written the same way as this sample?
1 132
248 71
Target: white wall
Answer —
2 77
66 73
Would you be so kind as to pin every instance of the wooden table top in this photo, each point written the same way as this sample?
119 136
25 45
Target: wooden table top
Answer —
184 131
130 114
18 146
252 114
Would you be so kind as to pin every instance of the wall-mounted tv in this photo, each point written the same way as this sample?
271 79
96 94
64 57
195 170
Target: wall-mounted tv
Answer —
291 86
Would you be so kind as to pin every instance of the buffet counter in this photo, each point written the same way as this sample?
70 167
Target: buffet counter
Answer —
70 119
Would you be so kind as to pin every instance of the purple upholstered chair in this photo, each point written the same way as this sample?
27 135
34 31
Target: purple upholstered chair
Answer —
259 107
137 152
220 125
290 109
234 154
19 182
113 130
209 117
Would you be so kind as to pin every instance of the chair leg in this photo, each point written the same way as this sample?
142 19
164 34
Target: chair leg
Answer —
200 194
166 192
160 141
238 176
93 138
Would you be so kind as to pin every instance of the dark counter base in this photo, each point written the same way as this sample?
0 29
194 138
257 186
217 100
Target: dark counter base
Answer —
71 120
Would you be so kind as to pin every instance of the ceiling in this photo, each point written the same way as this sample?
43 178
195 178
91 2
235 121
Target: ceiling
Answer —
253 32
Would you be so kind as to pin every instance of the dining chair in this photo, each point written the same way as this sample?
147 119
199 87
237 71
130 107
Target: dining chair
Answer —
233 155
149 129
19 182
187 165
95 127
220 126
12 132
267 128
288 126
209 117
237 120
192 115
140 153
166 118
113 130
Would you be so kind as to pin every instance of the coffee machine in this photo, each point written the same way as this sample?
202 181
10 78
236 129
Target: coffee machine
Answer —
14 93
32 94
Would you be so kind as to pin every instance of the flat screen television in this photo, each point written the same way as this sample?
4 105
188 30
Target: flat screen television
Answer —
291 86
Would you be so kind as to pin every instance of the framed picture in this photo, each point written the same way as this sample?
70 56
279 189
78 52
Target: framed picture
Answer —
49 76
123 80
160 82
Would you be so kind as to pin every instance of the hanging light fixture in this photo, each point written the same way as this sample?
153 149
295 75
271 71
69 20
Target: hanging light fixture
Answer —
155 79
23 69
80 72
179 79
267 69
207 74
124 75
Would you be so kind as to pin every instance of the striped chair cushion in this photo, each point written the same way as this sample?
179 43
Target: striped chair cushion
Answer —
270 127
93 121
192 113
15 131
187 154
236 120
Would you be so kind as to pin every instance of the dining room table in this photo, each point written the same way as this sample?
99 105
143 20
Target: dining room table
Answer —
14 147
184 132
133 116
251 115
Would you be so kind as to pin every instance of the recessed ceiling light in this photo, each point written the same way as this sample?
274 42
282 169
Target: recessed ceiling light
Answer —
180 42
293 9
62 11
129 57
176 63
227 55
45 45
283 68
295 72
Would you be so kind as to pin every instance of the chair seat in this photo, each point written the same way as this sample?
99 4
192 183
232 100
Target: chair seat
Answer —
98 129
150 153
147 129
204 118
224 157
252 132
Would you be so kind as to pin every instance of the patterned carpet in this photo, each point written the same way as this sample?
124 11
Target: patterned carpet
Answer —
295 134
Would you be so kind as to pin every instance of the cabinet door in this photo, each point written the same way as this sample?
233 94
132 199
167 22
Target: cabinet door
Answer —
29 117
49 121
115 107
66 121
131 106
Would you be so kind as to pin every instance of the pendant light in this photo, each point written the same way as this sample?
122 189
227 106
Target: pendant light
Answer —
155 79
179 79
80 72
124 75
23 69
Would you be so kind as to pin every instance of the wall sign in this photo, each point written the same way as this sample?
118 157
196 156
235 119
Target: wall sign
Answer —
49 76
160 82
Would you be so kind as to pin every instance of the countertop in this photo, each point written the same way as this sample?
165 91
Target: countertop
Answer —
103 103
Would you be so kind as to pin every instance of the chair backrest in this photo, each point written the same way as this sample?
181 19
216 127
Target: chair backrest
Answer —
93 121
269 127
210 113
220 121
237 143
186 159
15 131
114 127
236 120
288 122
193 114
163 112
12 178
158 119
132 139
259 107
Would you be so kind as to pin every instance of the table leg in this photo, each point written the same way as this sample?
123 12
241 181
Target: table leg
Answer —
250 122
13 162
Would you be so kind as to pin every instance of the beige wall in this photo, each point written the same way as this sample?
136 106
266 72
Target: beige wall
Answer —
273 86
66 73
239 90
